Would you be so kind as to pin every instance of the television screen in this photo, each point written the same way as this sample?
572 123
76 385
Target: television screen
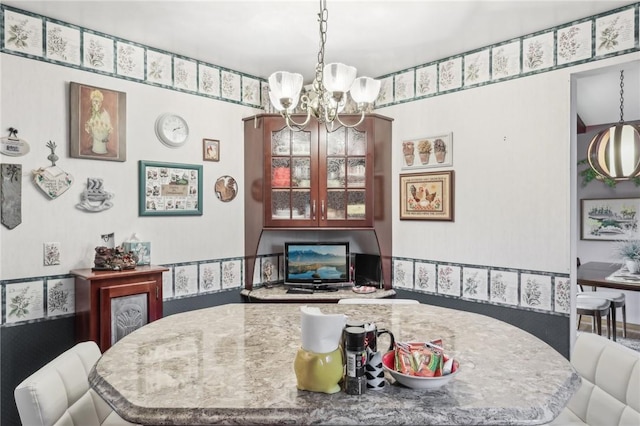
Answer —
316 263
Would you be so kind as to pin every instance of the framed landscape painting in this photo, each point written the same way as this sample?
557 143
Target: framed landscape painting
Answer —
609 219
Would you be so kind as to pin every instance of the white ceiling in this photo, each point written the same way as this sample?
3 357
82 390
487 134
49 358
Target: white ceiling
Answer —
378 37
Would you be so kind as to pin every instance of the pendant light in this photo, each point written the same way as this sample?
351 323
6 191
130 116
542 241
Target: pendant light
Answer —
615 152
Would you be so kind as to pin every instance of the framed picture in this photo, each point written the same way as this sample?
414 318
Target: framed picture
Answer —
210 150
428 151
608 219
427 196
169 189
98 123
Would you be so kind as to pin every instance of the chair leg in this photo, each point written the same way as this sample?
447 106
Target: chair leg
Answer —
613 321
609 328
579 321
598 319
624 320
593 324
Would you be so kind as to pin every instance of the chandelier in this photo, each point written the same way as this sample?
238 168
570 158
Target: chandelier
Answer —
325 100
615 152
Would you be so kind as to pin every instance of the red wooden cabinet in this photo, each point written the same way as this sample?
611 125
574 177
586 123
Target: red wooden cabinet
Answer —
111 304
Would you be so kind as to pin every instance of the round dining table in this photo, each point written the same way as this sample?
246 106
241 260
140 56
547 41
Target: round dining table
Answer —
233 364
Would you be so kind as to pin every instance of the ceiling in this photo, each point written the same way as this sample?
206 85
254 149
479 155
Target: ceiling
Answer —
378 37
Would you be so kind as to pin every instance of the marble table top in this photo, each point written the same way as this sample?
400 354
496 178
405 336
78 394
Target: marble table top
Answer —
233 364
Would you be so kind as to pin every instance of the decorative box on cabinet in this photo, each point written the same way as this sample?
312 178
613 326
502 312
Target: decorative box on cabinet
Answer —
111 304
316 179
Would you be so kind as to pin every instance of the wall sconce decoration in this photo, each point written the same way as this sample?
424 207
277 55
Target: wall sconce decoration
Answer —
615 152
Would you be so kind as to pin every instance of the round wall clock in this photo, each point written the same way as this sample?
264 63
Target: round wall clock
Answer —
172 130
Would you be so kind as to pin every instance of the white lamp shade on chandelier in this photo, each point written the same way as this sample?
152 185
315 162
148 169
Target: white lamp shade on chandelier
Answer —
284 90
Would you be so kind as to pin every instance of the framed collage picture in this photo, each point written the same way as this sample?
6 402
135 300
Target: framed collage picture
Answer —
427 196
170 189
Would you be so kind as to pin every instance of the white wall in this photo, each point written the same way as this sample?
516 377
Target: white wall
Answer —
512 161
35 100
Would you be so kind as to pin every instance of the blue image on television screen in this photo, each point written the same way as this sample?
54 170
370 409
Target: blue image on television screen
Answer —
317 262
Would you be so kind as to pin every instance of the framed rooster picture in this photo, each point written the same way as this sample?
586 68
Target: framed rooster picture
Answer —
427 196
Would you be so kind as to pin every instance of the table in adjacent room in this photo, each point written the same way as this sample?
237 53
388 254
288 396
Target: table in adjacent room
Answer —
234 364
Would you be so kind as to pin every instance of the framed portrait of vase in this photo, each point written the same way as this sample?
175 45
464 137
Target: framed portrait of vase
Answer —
98 123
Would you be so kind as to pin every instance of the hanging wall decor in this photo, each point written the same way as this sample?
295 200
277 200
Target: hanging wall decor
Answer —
12 145
94 198
52 180
169 189
11 195
226 188
98 127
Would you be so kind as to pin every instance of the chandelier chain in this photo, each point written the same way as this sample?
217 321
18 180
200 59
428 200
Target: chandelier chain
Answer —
621 96
323 17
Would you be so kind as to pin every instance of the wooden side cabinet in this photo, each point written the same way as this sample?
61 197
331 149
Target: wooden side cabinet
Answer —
112 304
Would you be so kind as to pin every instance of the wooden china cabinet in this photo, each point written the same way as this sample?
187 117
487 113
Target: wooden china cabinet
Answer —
112 304
317 178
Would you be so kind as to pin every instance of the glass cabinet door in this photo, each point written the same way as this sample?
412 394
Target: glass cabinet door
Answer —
345 163
290 175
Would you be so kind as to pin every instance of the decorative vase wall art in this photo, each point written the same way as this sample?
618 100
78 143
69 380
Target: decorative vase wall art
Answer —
428 151
52 180
94 198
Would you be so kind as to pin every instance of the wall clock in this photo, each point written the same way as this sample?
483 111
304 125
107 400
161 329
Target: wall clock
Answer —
172 130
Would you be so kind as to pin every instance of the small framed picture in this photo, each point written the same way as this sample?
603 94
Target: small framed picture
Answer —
210 150
427 151
427 196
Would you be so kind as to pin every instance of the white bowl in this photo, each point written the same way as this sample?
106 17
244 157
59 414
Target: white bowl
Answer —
416 382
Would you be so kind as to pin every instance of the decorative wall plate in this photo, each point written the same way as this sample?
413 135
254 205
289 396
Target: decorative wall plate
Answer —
13 146
226 188
53 181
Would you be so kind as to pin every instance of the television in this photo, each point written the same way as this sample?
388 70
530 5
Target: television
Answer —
316 264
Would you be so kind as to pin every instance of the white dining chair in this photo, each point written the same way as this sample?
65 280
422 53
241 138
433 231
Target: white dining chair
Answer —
384 301
59 392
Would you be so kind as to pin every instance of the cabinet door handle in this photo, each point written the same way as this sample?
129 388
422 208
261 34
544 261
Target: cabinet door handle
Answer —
157 292
322 210
313 210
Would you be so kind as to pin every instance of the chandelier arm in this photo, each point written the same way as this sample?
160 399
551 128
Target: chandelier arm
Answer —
362 114
292 124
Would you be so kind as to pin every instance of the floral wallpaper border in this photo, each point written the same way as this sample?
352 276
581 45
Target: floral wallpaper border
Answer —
589 39
522 289
34 299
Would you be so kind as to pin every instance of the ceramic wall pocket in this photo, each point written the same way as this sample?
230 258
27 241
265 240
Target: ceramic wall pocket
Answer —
94 198
52 180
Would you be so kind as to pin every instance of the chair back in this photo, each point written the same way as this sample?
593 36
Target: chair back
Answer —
363 301
58 394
